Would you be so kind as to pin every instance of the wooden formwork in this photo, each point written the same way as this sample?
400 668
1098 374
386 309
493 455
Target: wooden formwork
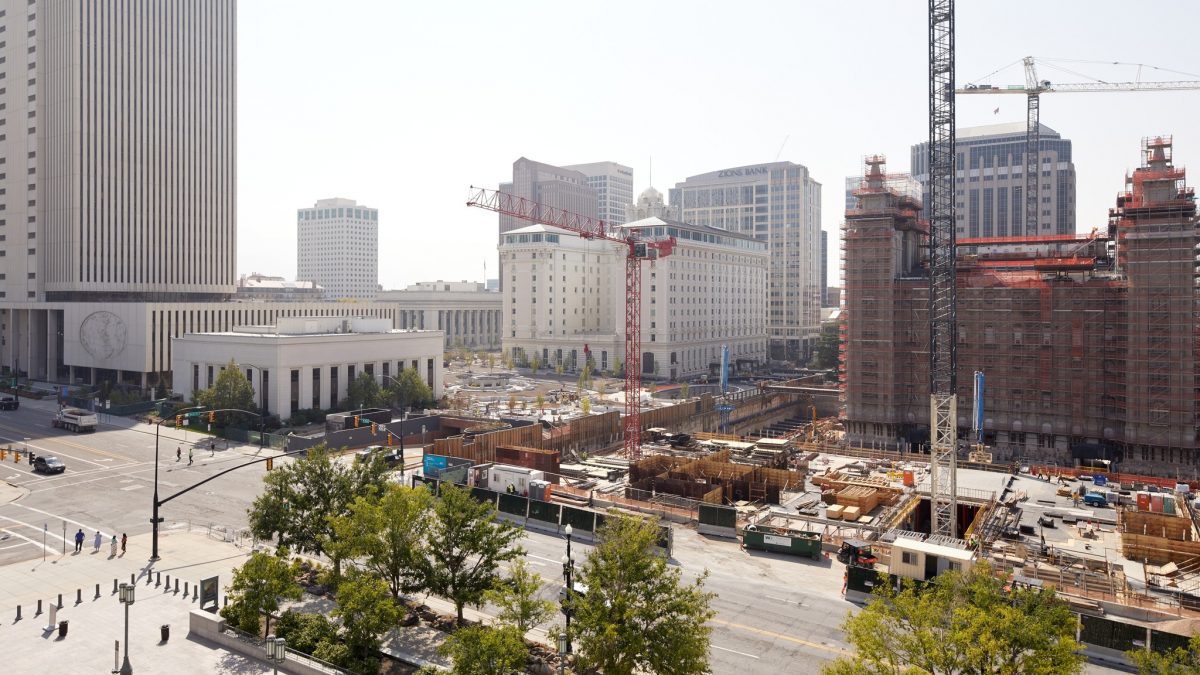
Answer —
653 466
587 433
698 415
1158 551
859 496
482 448
1160 525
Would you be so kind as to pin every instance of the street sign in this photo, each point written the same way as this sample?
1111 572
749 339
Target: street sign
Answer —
208 592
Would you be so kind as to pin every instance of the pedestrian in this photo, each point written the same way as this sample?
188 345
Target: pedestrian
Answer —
79 540
212 447
190 456
96 543
112 548
178 454
845 580
123 540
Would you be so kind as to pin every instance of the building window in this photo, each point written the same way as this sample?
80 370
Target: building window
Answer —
908 558
295 397
333 386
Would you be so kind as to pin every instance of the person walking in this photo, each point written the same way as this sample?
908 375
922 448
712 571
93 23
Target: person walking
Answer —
178 454
79 540
123 540
112 548
212 447
190 456
96 543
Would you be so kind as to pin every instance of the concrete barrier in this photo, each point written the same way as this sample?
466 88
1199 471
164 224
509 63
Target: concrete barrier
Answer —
211 627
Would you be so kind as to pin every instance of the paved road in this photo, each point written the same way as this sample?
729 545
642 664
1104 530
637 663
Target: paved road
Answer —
109 482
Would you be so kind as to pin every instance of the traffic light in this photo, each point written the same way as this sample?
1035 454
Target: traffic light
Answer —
212 416
374 428
389 439
356 421
270 463
179 421
16 456
3 454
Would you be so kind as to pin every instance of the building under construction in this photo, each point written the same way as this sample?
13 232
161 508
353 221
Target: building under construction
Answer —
1088 343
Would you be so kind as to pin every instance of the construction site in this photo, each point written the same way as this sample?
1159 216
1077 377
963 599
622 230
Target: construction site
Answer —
1088 344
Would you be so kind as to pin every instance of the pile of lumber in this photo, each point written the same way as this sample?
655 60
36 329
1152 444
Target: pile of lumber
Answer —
863 498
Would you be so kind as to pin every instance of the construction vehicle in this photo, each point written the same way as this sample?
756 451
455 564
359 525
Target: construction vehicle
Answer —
75 419
857 553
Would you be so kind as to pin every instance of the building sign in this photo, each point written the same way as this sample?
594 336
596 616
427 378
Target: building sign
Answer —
744 171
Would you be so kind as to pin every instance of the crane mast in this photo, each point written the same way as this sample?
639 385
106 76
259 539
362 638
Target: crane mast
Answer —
637 250
943 395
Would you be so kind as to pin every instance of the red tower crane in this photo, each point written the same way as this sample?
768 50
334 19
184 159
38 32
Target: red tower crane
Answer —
638 248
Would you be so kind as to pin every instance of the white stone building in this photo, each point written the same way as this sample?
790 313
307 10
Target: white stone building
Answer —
564 299
307 362
465 311
650 204
337 247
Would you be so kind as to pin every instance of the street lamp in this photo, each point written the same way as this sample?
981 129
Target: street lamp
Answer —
276 651
126 598
562 653
154 519
568 568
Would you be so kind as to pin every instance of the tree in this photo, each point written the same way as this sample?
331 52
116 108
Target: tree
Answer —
367 612
256 589
541 402
491 361
535 363
518 601
484 650
637 616
388 532
961 623
585 405
305 631
616 367
471 543
408 389
301 497
363 392
230 391
1178 661
512 402
684 390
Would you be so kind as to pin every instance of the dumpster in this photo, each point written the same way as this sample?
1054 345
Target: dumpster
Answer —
783 541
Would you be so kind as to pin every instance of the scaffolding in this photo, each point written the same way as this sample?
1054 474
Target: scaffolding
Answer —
1090 343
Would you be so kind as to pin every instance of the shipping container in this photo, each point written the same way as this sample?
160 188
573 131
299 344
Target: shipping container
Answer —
1156 502
1169 505
1143 501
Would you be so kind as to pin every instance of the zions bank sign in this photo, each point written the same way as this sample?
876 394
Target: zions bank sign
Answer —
744 171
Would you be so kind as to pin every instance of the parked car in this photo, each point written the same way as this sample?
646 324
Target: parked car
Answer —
9 403
392 457
44 464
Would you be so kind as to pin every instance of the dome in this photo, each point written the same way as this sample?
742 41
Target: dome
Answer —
650 196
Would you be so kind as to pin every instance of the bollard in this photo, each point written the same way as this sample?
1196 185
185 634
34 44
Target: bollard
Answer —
168 587
39 609
196 592
59 605
18 612
226 601
78 596
148 579
97 592
132 578
176 584
186 592
157 579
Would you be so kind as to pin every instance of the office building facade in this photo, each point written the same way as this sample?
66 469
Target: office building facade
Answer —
990 181
337 247
779 204
613 184
467 313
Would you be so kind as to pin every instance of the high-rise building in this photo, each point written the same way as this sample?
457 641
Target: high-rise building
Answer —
824 268
1089 345
546 184
990 181
337 247
613 184
780 204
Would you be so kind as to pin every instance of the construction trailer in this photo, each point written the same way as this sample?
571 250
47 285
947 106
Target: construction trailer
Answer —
1090 343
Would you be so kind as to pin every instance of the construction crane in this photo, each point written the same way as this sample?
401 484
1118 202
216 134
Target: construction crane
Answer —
943 358
638 249
1033 88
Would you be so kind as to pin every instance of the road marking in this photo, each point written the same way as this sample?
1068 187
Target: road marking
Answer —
46 513
733 651
32 527
776 597
64 441
781 636
27 540
132 487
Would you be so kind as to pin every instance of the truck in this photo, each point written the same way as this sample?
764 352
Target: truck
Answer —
75 419
1095 499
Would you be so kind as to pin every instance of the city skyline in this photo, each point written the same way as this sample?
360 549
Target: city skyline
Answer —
460 127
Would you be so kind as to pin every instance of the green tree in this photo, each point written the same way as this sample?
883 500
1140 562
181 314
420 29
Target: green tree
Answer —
305 631
1178 661
535 363
617 367
637 616
512 402
470 545
231 390
585 405
367 611
301 497
518 601
256 589
486 650
409 389
540 400
684 390
388 533
961 623
491 361
363 392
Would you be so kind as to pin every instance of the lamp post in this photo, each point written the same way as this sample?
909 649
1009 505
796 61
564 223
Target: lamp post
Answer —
568 568
154 518
126 598
562 653
276 651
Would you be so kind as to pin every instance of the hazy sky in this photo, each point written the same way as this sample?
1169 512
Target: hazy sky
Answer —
403 105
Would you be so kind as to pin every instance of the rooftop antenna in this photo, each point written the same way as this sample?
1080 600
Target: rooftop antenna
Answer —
782 146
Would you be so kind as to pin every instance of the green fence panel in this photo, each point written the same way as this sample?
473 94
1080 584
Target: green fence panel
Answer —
1104 632
431 483
580 519
720 516
544 511
1165 642
484 495
865 580
514 504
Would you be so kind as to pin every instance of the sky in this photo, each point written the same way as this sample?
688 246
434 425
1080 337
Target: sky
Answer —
404 105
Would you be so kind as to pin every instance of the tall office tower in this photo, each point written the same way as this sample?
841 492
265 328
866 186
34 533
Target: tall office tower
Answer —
613 184
546 184
337 246
119 151
990 181
824 268
778 203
